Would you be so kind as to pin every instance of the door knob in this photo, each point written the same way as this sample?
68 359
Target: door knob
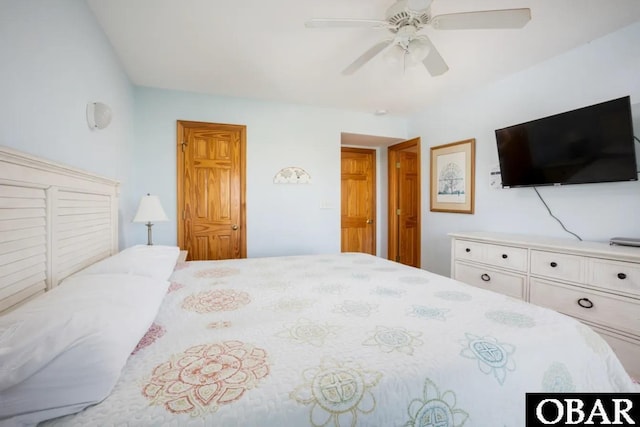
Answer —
369 221
234 227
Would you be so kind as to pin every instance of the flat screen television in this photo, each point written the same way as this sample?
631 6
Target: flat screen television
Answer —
587 145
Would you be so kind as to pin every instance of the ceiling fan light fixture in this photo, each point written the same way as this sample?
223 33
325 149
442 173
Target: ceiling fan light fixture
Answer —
418 5
394 55
418 50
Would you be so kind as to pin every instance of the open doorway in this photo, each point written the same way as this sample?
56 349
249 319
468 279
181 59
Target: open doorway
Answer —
379 144
404 202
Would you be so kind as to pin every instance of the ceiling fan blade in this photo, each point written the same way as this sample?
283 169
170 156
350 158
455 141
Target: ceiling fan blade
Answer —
434 63
346 23
366 57
489 19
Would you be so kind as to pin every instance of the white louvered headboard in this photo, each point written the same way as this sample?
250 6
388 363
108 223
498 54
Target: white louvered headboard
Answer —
54 221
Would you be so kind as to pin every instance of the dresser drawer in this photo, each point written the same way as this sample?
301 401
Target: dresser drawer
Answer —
512 285
558 266
614 275
589 305
470 251
506 257
496 255
627 350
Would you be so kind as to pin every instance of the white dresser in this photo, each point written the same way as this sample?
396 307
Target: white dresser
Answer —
594 282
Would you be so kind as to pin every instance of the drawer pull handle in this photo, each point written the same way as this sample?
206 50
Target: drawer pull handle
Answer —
485 277
505 256
553 264
585 303
467 250
622 276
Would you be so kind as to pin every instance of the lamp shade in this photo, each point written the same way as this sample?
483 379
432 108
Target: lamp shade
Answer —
418 50
150 210
394 55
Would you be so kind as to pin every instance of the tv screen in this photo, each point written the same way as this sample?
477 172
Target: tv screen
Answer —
587 145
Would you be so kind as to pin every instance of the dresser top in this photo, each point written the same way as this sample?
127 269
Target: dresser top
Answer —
598 249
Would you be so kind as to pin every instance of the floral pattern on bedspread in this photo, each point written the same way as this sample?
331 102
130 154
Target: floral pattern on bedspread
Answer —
427 312
337 392
154 333
493 357
435 408
217 300
346 340
204 377
292 305
453 295
306 331
511 318
389 339
355 308
174 286
557 379
216 273
219 325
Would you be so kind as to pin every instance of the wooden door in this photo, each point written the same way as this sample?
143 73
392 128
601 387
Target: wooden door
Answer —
404 202
211 190
358 200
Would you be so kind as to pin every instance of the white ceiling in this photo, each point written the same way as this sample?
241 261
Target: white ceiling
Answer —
261 49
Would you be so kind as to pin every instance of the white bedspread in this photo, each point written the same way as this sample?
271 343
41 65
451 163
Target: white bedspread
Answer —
346 340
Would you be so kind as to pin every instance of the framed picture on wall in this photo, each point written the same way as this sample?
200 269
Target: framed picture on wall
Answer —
453 177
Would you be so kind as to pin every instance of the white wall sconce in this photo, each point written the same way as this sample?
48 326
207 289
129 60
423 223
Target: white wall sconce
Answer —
149 210
98 115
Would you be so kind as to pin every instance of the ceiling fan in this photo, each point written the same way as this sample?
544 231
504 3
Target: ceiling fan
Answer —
406 18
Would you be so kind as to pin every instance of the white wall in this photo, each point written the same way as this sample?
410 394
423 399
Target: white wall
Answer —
281 219
55 59
604 69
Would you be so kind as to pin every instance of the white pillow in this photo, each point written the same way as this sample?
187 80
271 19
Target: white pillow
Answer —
65 350
155 261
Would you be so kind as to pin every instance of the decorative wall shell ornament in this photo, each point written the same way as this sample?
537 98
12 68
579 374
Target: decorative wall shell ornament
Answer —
292 175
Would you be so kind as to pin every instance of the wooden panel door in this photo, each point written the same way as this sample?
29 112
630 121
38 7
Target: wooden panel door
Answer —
358 200
404 202
211 190
409 205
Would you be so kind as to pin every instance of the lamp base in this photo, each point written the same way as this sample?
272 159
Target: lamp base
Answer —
149 242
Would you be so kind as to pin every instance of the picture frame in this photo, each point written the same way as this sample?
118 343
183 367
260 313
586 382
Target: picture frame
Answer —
452 184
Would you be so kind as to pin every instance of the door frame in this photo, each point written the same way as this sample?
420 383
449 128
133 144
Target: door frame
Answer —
182 126
393 191
374 185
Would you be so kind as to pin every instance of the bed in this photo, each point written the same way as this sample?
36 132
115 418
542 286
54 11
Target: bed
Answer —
323 340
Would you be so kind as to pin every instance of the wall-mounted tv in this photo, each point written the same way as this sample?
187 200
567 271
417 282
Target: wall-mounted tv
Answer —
587 145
